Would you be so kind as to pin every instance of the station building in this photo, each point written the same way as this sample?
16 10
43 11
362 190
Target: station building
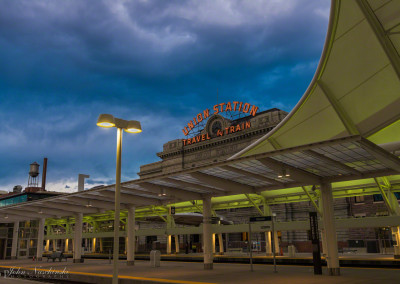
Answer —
337 149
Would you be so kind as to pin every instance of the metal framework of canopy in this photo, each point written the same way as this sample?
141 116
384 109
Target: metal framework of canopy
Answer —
335 160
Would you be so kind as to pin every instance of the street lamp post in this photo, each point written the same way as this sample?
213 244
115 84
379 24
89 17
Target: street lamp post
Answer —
131 126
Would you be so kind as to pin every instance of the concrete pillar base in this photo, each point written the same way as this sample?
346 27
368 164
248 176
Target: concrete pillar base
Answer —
13 257
397 256
208 266
130 262
79 260
334 271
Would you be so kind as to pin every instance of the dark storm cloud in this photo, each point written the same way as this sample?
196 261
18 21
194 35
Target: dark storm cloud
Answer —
64 62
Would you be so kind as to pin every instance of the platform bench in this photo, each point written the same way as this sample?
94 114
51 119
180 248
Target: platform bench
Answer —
343 250
55 255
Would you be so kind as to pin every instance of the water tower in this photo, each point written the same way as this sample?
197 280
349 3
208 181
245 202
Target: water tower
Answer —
33 181
33 175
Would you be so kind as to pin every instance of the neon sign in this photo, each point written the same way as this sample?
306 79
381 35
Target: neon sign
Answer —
218 108
220 132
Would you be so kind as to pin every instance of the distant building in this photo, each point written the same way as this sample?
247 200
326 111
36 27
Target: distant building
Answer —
27 230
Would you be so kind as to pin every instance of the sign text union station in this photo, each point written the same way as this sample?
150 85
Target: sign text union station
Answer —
218 128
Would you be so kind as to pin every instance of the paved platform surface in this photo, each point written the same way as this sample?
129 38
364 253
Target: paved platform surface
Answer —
191 273
16 281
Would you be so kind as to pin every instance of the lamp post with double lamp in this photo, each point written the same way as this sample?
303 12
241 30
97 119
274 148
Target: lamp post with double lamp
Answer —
130 126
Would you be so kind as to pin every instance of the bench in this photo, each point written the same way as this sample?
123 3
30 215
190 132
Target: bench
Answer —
343 250
55 255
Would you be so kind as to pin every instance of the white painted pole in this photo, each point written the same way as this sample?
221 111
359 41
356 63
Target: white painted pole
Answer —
268 235
130 250
330 229
77 258
14 243
117 207
323 238
39 248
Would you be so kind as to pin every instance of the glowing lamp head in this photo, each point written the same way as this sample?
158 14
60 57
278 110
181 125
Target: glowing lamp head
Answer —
105 120
133 126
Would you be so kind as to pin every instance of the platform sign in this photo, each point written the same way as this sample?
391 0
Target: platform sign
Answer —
260 219
314 235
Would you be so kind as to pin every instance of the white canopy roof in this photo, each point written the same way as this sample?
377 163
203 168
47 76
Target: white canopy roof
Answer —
356 88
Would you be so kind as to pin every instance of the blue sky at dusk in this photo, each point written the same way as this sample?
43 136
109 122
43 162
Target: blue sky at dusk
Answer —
62 63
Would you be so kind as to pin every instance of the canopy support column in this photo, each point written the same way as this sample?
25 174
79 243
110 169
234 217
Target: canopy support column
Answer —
39 248
268 235
130 250
323 239
78 238
330 229
207 234
14 243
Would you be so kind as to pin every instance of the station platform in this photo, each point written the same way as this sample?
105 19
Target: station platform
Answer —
99 271
304 259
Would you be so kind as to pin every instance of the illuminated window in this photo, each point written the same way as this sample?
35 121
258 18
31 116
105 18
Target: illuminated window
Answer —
359 199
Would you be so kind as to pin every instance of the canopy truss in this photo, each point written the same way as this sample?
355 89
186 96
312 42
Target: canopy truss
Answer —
279 171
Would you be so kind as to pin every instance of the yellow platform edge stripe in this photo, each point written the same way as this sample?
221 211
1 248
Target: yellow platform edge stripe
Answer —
109 275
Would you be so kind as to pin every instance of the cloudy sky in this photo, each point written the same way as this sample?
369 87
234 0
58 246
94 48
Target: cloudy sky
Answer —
62 63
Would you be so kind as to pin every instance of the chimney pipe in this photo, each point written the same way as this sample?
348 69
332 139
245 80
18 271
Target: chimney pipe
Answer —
81 181
44 174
